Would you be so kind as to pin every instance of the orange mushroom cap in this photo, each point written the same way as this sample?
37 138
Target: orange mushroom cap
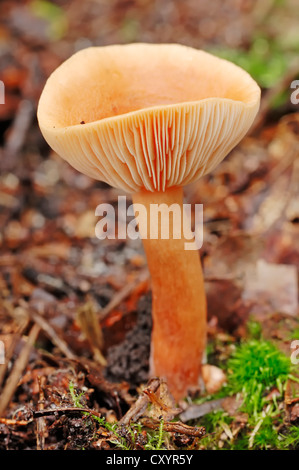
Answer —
146 116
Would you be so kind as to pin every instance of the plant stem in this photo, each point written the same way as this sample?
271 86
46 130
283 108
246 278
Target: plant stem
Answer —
179 303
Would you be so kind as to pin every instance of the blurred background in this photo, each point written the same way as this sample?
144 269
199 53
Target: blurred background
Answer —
49 254
83 303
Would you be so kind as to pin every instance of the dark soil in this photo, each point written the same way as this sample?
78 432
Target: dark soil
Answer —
52 268
129 360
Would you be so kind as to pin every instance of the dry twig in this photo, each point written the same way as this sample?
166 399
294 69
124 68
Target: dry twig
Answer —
18 368
177 427
65 409
141 403
14 422
123 294
41 427
9 352
51 333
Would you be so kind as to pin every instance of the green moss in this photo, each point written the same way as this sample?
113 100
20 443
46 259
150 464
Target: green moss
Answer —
266 437
211 420
55 19
77 398
155 441
241 443
290 440
213 423
254 329
255 367
295 334
265 60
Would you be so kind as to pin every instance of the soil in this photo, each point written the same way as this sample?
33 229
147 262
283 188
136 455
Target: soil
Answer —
129 360
69 302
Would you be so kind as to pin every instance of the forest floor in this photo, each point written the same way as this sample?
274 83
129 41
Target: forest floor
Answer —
75 312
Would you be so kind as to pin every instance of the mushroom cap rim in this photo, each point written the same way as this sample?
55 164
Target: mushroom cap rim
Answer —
160 108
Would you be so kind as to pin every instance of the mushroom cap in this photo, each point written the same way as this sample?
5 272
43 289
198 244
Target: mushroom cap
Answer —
146 116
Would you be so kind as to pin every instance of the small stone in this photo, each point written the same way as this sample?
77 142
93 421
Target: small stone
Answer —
213 378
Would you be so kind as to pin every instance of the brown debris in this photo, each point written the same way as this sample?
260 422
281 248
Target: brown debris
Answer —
197 411
64 409
123 294
139 407
176 427
19 366
213 378
56 339
52 268
86 317
41 427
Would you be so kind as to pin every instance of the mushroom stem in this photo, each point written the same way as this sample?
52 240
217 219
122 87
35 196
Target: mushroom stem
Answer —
179 303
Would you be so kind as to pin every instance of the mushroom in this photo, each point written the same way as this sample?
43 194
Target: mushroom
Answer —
156 118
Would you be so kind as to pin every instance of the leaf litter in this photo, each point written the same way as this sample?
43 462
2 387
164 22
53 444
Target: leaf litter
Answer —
75 313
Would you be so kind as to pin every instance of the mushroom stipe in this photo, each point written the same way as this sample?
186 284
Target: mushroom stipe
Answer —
156 118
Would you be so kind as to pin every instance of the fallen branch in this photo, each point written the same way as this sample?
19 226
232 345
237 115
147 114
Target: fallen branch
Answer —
41 426
65 409
17 135
141 403
15 422
197 411
51 333
9 353
177 427
123 294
